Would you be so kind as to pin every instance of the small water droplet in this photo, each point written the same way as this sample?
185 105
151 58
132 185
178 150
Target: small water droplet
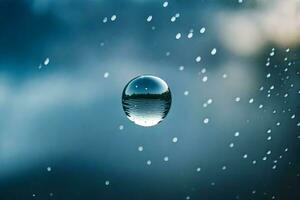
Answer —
140 148
165 4
175 139
146 100
206 120
105 75
149 18
213 51
113 18
149 162
202 30
46 62
104 20
178 36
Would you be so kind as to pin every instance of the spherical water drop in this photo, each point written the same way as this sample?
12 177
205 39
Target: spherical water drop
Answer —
146 100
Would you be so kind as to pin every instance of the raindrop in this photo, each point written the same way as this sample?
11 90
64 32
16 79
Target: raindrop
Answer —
293 116
149 18
49 169
165 4
46 62
113 18
236 134
166 158
175 139
190 35
213 51
106 74
269 138
104 20
202 30
146 100
198 59
149 162
178 36
181 68
204 79
140 148
264 158
237 99
107 183
186 93
206 120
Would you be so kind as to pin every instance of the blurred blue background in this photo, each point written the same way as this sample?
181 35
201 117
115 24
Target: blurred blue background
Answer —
64 64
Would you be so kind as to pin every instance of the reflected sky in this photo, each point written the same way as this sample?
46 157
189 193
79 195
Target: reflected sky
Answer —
146 84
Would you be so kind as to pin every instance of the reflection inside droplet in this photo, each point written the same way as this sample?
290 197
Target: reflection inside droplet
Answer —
146 100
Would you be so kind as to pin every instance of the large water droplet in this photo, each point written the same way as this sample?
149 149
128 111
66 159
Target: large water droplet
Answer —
146 100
